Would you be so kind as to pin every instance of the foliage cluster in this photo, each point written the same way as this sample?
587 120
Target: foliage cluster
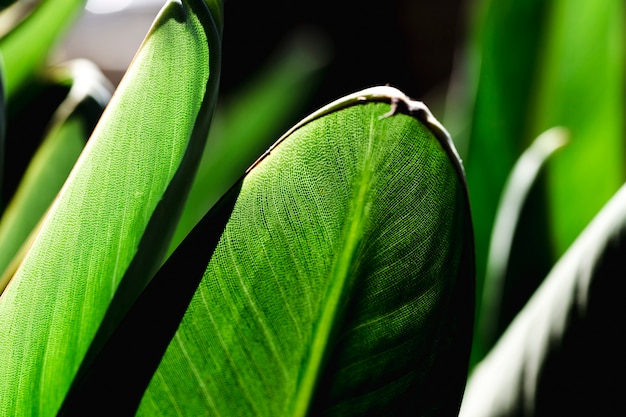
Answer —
169 250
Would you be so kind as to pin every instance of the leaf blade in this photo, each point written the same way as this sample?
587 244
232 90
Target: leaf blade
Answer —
278 315
53 308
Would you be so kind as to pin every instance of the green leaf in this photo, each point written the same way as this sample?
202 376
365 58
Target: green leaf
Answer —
26 128
107 231
343 281
39 30
249 120
68 129
512 275
498 72
581 87
3 127
563 353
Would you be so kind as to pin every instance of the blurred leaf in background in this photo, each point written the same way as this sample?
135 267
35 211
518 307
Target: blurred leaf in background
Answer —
40 25
532 66
563 354
581 87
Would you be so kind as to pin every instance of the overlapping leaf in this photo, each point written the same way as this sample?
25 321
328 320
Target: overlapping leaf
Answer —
67 131
339 281
519 230
343 279
534 65
250 119
108 229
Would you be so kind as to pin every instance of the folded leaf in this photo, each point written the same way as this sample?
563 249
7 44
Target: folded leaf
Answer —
340 280
107 231
563 354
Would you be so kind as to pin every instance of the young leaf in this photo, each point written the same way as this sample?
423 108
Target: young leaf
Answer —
342 281
67 132
108 229
564 352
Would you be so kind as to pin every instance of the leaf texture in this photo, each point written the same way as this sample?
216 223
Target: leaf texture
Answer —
110 225
343 281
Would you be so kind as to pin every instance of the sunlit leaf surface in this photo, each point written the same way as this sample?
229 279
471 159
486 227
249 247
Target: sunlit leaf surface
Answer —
99 234
342 283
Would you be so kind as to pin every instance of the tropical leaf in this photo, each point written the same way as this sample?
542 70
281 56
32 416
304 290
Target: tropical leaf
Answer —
40 29
563 353
340 281
68 129
529 66
109 228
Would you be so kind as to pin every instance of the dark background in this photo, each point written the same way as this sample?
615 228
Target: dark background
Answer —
409 44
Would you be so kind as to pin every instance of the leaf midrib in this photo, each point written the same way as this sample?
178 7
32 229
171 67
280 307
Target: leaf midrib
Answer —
341 281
